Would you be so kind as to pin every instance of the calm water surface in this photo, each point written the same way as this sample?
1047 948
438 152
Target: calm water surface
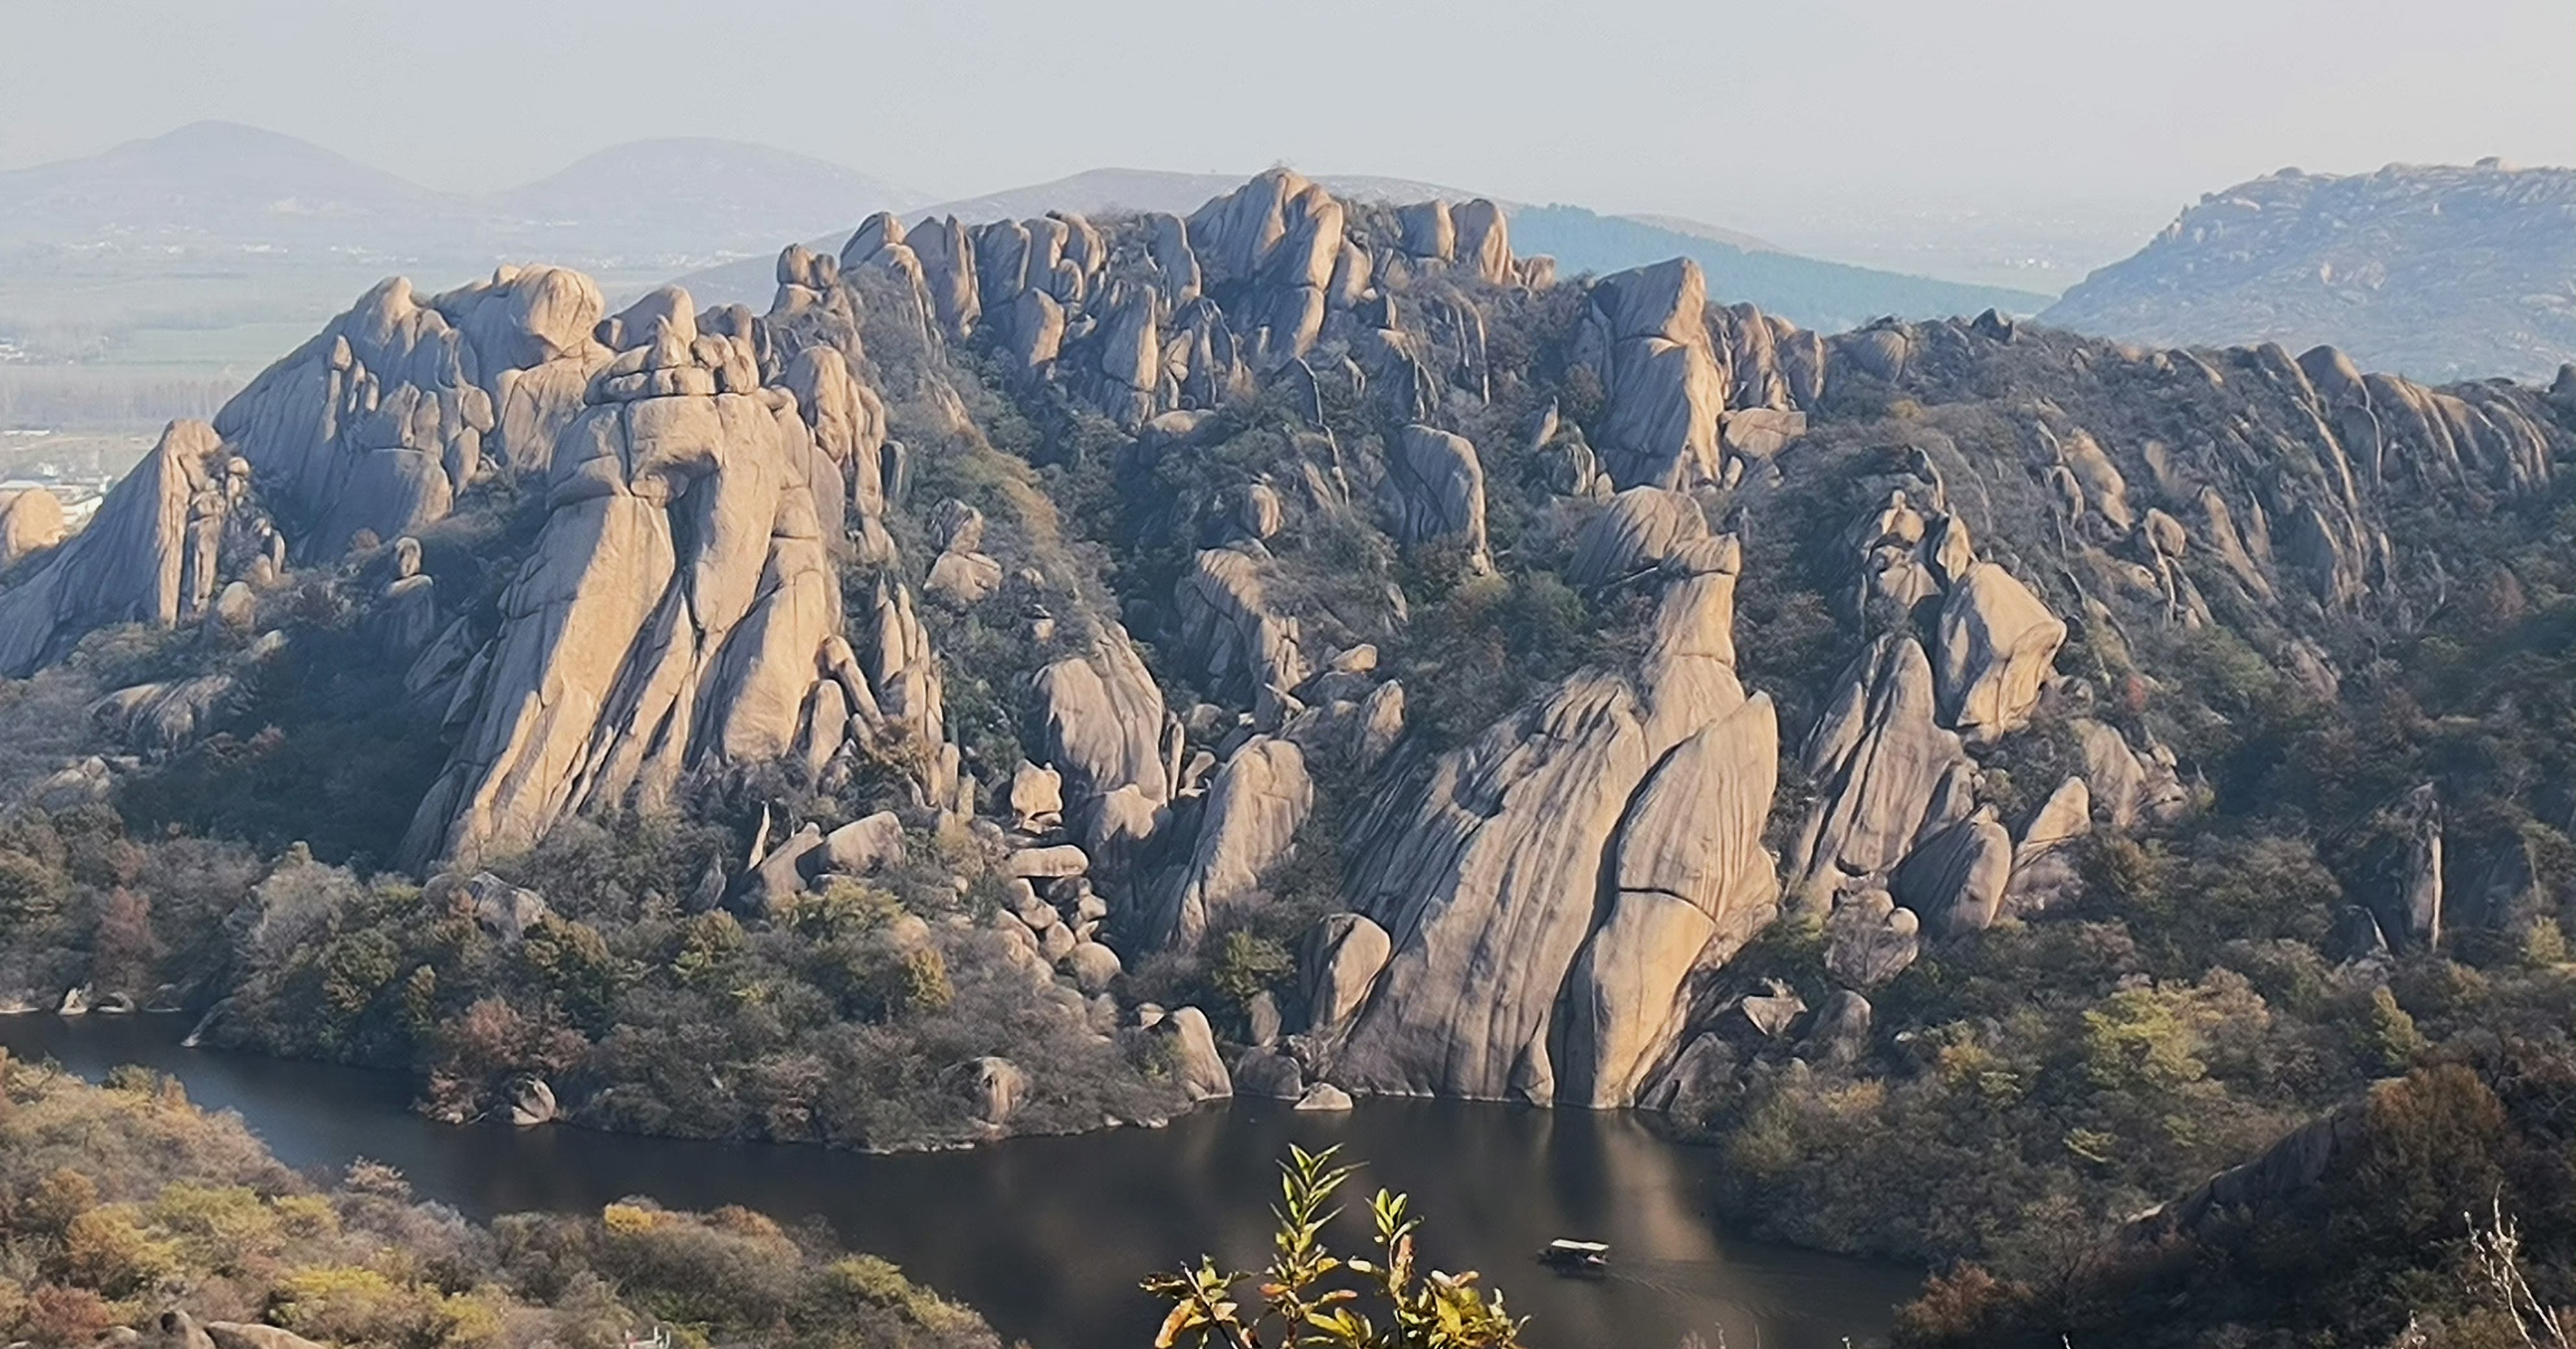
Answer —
1047 1237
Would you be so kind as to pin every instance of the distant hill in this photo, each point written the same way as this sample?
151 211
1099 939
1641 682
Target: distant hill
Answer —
1830 296
218 181
2438 271
691 196
1810 292
181 248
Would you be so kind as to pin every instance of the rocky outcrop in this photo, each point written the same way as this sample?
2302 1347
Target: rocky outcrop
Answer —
1550 886
679 613
2412 910
1997 644
1646 336
1229 632
382 418
163 538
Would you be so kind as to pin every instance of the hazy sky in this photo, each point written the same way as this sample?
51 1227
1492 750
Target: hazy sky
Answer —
1731 111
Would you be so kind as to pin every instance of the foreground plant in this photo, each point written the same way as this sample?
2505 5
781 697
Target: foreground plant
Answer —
1310 1296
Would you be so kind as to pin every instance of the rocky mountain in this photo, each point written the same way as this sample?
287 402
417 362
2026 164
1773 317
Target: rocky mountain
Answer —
2438 271
1049 670
1810 290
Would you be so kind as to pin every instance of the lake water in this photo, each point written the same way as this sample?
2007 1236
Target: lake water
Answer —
1047 1237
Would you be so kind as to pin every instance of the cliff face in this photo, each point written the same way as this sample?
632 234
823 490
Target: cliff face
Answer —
1161 563
2437 271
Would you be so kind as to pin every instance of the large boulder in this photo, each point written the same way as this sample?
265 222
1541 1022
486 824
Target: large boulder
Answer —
1188 1046
1637 531
1869 940
1102 726
1997 643
1436 488
1647 339
1260 799
31 519
1956 879
1875 757
1342 958
864 845
994 1088
1229 630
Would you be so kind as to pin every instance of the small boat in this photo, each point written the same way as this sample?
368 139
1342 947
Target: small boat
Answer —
1575 1257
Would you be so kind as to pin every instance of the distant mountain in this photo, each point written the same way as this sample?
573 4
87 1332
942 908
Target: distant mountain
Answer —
226 186
217 181
155 251
2438 271
693 196
1813 293
1740 267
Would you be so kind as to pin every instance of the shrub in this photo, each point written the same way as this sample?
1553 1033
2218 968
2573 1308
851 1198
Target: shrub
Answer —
1313 1296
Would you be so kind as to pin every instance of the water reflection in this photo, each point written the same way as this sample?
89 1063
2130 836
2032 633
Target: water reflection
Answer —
1048 1236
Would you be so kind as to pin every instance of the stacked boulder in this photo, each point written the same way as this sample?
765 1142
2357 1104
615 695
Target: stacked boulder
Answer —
1146 315
1897 811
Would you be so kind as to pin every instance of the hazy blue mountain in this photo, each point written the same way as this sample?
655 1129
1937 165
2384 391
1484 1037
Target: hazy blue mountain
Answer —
1807 291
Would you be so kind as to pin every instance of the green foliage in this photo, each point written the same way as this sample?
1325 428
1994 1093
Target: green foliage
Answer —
2389 1040
1247 964
1315 1297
